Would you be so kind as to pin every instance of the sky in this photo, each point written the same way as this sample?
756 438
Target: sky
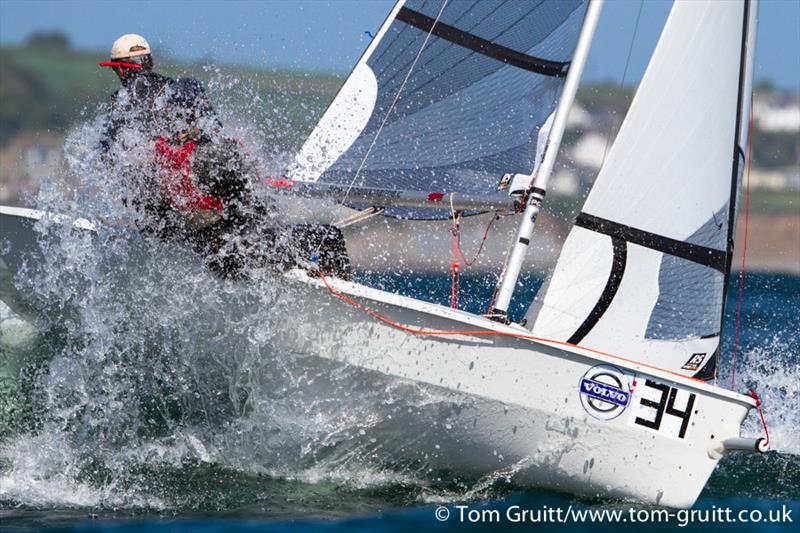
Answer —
329 35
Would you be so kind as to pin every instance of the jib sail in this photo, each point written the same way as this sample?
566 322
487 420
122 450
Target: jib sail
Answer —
642 273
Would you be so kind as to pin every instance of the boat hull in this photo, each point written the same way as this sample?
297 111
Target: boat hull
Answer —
542 413
524 409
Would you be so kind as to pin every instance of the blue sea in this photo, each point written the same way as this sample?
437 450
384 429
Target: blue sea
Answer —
105 430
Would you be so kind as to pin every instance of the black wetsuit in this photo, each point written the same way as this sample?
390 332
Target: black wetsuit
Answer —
238 237
241 235
135 106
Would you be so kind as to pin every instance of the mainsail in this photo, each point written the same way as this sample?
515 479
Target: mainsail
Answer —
642 273
449 96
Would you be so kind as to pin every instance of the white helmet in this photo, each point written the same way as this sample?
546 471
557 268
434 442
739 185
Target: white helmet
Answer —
130 45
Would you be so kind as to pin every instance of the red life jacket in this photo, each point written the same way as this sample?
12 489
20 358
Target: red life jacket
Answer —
174 174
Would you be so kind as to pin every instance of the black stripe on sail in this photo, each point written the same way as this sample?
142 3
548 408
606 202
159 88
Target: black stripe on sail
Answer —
477 44
610 290
702 255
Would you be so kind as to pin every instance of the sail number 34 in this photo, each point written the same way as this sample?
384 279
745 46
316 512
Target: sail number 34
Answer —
655 408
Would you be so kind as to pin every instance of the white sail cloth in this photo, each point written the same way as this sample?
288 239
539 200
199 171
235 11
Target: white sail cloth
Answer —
642 273
450 96
520 183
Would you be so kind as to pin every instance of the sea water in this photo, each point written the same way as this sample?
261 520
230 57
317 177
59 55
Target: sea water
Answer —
117 432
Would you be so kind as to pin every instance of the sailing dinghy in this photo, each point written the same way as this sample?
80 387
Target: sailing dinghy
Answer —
609 389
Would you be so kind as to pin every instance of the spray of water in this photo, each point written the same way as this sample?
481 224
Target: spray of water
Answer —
775 374
151 363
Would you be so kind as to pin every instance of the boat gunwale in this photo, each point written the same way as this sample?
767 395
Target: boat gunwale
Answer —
350 288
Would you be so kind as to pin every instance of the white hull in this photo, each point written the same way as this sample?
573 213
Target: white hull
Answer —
520 405
525 409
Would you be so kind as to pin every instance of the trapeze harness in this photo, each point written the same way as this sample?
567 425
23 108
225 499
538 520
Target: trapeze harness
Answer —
174 172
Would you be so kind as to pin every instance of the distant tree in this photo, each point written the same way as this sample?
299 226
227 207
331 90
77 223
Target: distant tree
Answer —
48 39
765 86
21 97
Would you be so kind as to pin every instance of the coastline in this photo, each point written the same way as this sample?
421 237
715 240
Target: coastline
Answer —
773 243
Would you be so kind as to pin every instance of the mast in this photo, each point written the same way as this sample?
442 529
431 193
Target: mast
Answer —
536 193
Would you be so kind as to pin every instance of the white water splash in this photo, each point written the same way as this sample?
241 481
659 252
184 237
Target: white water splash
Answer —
151 362
773 370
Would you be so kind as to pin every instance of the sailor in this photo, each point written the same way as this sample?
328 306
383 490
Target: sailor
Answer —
204 185
196 187
192 184
134 112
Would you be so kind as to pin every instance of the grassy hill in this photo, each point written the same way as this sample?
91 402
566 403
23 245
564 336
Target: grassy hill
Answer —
46 88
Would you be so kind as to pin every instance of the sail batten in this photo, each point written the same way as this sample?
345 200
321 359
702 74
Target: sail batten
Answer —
482 46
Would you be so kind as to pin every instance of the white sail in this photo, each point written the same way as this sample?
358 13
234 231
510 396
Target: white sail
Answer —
450 96
642 273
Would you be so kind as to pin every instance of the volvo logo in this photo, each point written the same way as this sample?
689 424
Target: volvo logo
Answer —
605 391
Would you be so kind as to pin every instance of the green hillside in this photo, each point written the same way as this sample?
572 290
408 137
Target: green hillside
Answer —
48 88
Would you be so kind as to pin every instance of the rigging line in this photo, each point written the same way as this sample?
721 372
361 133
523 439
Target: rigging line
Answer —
744 251
470 262
624 75
491 300
458 253
455 275
754 395
385 118
735 187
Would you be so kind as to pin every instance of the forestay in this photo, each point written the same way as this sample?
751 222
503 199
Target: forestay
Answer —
641 274
448 97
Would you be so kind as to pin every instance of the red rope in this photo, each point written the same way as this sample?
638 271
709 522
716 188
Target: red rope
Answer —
455 275
491 300
483 332
480 248
455 286
457 254
744 249
754 395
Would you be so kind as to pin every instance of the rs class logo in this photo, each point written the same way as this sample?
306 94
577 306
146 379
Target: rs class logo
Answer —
605 392
694 362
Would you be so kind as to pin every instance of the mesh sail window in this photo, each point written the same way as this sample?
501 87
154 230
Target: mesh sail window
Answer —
642 273
449 97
